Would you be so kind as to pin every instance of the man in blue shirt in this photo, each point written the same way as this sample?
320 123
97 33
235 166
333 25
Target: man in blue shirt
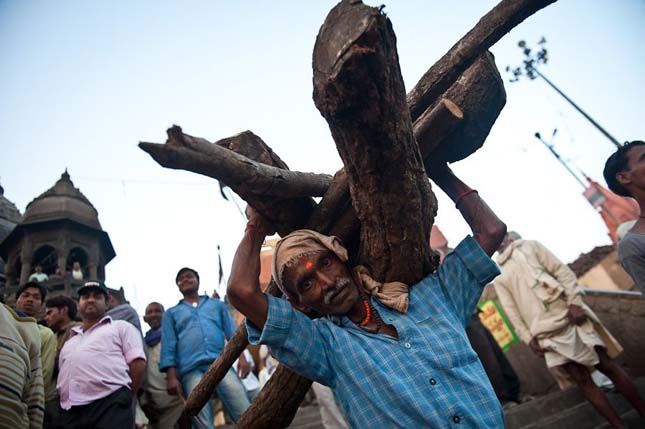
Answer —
394 356
193 335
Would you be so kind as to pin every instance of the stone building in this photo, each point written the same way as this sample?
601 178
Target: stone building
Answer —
58 228
9 217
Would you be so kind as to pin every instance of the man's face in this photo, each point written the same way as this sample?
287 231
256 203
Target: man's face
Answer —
634 176
30 301
153 316
323 283
187 283
111 302
92 305
38 269
55 317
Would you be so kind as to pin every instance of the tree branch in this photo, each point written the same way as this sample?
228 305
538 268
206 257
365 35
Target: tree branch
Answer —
490 28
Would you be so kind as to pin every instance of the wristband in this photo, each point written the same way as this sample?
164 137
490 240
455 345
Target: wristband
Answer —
464 195
249 226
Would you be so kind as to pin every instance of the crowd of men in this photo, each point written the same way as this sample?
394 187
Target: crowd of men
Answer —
96 369
392 355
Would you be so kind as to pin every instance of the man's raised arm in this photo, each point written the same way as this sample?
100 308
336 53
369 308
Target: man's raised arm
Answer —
243 288
488 229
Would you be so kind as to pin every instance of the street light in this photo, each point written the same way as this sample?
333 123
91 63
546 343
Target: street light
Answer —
529 68
557 155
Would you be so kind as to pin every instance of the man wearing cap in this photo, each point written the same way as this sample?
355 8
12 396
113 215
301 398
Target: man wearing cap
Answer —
101 365
193 334
395 356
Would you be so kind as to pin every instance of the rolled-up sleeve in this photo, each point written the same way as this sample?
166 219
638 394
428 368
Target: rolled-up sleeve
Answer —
463 275
132 345
295 340
227 321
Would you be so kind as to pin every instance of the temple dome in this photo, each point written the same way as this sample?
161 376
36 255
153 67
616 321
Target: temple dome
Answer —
9 215
62 201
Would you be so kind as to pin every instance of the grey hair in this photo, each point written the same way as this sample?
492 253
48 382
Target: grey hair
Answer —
514 235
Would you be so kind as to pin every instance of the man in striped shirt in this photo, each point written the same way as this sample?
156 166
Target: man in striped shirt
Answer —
22 397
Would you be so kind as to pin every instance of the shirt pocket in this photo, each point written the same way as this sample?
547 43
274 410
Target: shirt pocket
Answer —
444 342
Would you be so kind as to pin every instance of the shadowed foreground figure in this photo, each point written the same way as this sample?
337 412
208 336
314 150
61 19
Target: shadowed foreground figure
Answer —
543 301
394 356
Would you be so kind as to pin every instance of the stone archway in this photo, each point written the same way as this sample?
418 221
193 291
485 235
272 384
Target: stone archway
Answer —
47 257
77 254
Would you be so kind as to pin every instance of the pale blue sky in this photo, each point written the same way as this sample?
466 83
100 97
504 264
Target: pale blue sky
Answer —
82 82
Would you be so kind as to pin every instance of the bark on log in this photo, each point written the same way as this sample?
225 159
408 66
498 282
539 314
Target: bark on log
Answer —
490 28
278 401
358 88
265 187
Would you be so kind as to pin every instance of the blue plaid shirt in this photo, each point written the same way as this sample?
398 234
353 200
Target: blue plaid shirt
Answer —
428 377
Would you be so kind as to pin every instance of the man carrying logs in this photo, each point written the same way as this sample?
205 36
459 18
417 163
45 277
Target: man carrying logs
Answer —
395 356
382 207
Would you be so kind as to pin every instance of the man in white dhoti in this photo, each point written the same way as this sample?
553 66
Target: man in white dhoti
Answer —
542 299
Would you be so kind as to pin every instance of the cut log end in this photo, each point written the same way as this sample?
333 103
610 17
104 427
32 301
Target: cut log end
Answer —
452 108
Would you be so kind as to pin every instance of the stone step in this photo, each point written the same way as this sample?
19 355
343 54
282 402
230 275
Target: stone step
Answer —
307 417
544 413
523 415
631 419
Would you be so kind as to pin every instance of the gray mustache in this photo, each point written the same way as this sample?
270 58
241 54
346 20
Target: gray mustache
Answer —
331 293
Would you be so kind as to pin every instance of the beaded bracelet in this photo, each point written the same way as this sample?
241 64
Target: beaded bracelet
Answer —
464 195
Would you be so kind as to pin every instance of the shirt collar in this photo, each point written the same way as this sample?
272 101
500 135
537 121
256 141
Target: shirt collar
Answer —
202 299
79 329
506 254
383 311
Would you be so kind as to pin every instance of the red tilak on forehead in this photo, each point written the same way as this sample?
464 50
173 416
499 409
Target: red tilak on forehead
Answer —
309 265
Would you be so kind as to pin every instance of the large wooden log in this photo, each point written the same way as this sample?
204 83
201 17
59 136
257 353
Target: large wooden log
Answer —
336 217
359 90
283 383
490 28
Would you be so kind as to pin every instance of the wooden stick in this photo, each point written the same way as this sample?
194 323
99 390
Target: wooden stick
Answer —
243 175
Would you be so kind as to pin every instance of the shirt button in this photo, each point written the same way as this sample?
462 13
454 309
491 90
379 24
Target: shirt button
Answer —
407 345
433 381
456 419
